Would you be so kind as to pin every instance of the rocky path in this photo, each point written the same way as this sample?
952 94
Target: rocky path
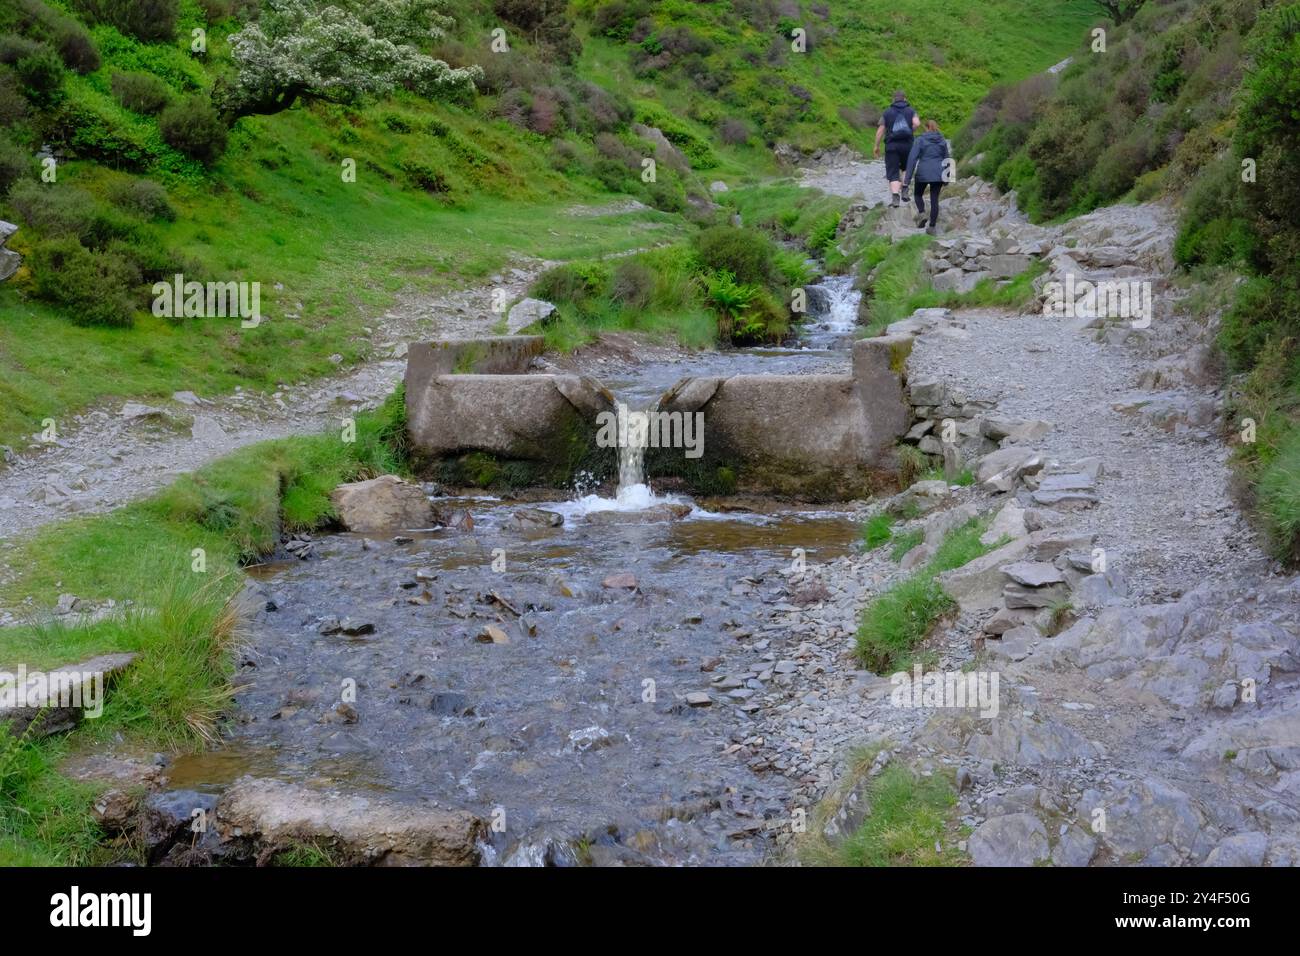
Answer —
109 456
1158 721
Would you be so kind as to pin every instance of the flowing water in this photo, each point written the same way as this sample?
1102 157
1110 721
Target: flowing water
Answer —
578 728
832 312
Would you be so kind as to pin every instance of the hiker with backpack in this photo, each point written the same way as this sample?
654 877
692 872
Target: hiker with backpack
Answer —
927 165
896 127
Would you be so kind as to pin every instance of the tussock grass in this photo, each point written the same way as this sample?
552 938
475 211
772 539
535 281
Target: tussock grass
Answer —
899 619
902 285
877 529
910 814
905 542
181 622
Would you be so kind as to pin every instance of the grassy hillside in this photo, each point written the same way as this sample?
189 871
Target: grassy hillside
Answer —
1198 102
447 187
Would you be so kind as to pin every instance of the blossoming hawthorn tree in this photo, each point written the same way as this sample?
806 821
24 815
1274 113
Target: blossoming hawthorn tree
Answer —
339 51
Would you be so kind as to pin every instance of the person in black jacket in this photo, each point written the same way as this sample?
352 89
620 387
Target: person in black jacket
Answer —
897 126
927 165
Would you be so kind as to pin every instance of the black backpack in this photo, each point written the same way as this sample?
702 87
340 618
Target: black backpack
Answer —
900 127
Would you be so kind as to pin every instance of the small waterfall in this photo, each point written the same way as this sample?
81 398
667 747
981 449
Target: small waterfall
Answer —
833 313
631 460
633 493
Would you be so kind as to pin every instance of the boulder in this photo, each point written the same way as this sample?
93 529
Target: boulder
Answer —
528 312
999 470
1019 596
1007 266
1014 431
1244 849
1033 574
977 585
386 503
1150 821
538 518
958 280
1008 523
364 829
1015 839
1076 847
9 260
539 419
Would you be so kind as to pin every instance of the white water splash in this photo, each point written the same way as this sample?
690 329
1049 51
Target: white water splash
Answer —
634 492
835 318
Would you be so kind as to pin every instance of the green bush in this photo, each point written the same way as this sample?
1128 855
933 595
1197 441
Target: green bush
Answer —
1214 228
1279 497
747 255
13 105
423 176
144 198
633 285
147 20
878 529
56 210
95 287
141 93
1258 314
14 47
38 21
75 47
94 130
15 163
194 127
40 76
576 283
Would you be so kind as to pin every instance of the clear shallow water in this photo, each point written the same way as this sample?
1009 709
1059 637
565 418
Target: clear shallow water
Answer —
578 727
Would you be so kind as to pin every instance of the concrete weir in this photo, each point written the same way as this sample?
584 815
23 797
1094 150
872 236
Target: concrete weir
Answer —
476 418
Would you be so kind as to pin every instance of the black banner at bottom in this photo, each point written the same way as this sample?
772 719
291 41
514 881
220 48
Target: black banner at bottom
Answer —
334 905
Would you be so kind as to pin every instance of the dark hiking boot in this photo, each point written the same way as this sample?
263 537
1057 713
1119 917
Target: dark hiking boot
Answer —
893 201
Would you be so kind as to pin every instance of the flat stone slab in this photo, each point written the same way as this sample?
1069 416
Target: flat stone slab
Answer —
55 701
366 829
1077 481
1018 596
1069 499
1033 574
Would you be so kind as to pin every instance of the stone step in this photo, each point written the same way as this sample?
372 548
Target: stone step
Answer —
43 703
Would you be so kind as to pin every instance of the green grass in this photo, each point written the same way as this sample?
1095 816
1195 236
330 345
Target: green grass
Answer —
905 542
788 210
180 621
878 529
895 622
312 854
910 815
902 284
945 53
1279 494
387 244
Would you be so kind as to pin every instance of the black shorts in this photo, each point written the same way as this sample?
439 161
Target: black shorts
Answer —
896 160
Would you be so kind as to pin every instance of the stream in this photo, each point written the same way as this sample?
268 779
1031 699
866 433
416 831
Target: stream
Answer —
589 684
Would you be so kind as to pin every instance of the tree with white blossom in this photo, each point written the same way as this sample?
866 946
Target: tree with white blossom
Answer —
338 51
